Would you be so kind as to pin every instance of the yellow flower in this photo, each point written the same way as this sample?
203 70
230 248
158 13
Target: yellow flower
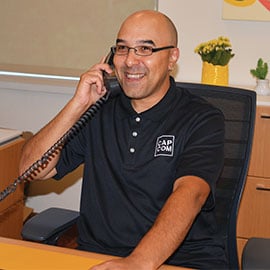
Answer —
216 51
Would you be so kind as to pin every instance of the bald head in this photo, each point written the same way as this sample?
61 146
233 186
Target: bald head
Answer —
155 23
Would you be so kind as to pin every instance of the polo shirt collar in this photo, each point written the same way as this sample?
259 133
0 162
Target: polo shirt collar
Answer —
156 112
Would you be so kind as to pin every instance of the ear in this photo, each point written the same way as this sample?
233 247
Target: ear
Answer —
174 55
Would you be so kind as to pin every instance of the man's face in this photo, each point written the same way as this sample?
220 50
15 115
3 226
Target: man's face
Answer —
145 77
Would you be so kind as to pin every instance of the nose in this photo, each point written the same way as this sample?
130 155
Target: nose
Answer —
131 57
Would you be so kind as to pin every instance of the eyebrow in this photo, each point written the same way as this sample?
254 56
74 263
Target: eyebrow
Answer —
147 41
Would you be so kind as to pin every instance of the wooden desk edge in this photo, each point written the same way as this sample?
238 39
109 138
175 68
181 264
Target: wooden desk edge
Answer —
73 251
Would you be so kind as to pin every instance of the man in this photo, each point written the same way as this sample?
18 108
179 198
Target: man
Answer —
152 156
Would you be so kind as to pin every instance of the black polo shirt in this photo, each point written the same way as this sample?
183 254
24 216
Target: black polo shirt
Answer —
131 162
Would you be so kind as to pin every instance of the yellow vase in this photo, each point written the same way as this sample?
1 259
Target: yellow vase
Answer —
215 74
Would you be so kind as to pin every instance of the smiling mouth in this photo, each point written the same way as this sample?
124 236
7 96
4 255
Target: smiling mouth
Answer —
134 76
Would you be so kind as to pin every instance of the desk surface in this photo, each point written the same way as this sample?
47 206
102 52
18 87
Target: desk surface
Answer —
22 255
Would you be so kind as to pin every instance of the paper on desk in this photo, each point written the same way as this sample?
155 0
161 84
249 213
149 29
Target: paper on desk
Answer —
7 134
16 257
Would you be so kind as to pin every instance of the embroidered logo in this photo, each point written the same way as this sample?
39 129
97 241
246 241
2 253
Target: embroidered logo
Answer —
164 146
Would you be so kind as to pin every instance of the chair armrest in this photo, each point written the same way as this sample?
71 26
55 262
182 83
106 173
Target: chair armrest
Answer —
256 254
47 226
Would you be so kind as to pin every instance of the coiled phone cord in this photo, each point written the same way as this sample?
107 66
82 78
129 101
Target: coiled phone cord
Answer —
46 157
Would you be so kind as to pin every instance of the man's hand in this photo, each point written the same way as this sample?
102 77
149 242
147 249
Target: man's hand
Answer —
91 86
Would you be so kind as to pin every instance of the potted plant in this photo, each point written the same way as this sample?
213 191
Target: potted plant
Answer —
260 73
215 55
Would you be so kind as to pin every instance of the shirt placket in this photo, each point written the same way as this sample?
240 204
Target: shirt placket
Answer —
134 135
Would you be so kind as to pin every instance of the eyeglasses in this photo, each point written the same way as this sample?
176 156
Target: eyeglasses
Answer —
142 50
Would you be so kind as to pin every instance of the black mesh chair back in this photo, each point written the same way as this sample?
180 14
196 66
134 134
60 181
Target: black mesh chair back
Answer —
238 107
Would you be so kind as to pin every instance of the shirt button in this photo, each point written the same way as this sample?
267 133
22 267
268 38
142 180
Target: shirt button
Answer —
132 150
137 119
134 133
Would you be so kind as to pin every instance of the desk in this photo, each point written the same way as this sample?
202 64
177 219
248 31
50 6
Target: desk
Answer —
253 216
11 208
23 255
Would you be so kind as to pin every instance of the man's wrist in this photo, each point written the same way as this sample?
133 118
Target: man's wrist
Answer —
142 260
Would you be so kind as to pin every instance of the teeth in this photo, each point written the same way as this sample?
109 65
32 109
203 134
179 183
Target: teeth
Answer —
134 76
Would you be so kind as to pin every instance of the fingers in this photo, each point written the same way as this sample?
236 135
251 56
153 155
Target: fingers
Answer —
95 74
102 60
93 78
91 85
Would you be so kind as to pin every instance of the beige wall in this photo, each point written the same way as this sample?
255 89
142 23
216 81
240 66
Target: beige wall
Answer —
60 36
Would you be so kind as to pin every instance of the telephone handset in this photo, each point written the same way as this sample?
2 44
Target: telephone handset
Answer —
110 80
113 88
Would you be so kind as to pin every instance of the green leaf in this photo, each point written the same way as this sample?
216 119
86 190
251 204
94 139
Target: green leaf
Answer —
216 58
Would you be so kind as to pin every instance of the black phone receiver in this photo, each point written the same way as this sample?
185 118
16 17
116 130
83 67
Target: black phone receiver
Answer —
110 81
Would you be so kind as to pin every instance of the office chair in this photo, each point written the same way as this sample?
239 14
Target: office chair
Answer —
238 107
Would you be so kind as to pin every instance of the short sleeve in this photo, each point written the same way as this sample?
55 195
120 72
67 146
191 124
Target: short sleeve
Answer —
203 154
72 155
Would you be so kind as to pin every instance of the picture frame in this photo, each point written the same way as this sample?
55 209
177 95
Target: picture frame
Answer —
251 10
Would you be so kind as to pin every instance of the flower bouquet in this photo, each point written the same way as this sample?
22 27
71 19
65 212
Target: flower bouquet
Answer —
216 51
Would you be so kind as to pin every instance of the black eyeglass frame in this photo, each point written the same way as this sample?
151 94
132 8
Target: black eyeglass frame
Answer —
153 50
